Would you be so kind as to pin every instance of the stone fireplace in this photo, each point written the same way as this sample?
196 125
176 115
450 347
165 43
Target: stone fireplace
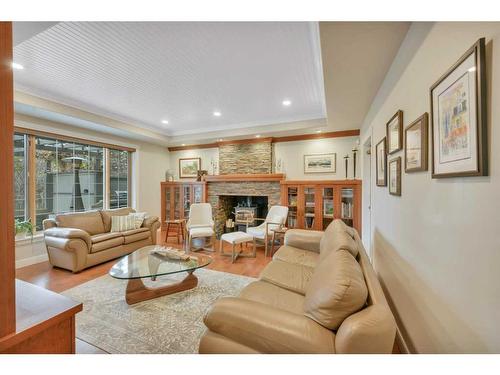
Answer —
224 195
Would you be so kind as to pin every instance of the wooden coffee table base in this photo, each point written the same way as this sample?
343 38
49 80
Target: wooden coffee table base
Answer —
138 292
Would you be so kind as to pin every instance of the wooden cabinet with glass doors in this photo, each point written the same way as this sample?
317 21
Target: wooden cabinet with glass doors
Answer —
177 197
315 204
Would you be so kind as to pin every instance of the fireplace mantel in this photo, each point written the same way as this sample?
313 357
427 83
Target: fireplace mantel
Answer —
264 177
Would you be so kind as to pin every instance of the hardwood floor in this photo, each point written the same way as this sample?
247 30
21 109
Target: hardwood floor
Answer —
59 280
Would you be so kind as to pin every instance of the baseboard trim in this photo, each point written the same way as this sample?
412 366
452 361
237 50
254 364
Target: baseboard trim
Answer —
31 260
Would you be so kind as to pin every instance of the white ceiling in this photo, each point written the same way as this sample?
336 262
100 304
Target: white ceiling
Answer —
143 72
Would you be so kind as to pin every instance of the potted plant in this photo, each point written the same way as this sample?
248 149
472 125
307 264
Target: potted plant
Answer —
22 228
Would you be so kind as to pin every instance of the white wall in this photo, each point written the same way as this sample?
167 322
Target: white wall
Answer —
437 247
292 157
206 155
150 163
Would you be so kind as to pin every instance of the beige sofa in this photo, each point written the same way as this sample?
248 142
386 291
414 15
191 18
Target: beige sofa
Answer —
77 241
320 294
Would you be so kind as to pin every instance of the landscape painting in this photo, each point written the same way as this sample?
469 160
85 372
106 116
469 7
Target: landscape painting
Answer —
416 145
320 163
189 167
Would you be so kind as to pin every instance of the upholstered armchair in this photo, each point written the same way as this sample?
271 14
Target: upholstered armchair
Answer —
275 218
201 224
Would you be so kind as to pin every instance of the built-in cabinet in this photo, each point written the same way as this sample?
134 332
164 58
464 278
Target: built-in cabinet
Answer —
177 197
314 204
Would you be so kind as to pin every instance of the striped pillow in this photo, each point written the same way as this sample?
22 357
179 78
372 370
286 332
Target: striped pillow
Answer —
122 223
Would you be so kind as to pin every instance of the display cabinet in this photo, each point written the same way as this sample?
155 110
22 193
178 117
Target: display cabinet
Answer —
315 204
177 197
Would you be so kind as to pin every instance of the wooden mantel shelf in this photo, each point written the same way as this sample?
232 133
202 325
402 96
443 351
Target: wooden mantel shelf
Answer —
263 177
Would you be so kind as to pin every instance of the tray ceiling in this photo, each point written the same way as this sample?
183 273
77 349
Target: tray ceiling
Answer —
182 72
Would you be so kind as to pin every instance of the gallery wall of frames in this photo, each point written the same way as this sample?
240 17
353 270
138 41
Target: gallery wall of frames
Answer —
455 130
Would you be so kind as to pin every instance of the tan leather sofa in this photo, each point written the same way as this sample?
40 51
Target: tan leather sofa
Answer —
320 294
76 241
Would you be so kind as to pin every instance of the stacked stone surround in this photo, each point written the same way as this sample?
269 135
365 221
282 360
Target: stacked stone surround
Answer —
220 207
246 158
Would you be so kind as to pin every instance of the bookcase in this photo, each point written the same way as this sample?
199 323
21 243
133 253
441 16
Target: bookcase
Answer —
315 204
177 197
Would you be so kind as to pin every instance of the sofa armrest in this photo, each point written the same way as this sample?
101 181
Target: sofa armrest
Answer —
49 223
267 329
304 239
149 221
69 233
153 224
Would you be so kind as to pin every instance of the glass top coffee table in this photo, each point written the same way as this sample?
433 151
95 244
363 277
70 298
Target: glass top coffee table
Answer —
143 263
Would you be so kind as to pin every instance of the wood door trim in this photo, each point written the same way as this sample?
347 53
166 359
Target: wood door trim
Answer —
7 246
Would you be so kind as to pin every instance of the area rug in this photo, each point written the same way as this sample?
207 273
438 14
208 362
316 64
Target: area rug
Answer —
169 324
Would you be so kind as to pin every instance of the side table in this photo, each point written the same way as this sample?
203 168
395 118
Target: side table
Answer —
179 224
278 234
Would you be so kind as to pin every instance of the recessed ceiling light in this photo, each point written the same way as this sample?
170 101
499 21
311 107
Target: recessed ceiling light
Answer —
472 69
318 131
164 122
17 66
286 102
183 144
257 136
220 139
217 114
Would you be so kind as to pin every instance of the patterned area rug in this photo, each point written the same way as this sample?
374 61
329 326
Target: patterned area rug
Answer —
169 324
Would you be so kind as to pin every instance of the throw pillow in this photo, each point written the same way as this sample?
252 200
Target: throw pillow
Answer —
138 218
337 289
122 223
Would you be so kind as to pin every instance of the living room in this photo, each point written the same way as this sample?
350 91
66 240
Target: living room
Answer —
292 187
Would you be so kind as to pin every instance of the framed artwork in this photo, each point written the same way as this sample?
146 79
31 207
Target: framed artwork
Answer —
395 133
458 117
416 145
189 167
395 176
381 162
320 163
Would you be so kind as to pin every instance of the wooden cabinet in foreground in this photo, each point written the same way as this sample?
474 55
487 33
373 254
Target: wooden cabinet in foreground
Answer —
177 197
315 204
45 322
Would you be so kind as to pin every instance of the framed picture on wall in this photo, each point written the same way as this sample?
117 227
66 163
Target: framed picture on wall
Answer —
320 163
395 133
416 145
458 117
381 163
189 167
395 176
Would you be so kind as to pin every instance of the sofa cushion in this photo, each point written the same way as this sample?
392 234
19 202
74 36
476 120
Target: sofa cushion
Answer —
107 244
270 294
104 236
90 221
294 277
107 214
290 254
336 290
135 235
337 237
122 223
